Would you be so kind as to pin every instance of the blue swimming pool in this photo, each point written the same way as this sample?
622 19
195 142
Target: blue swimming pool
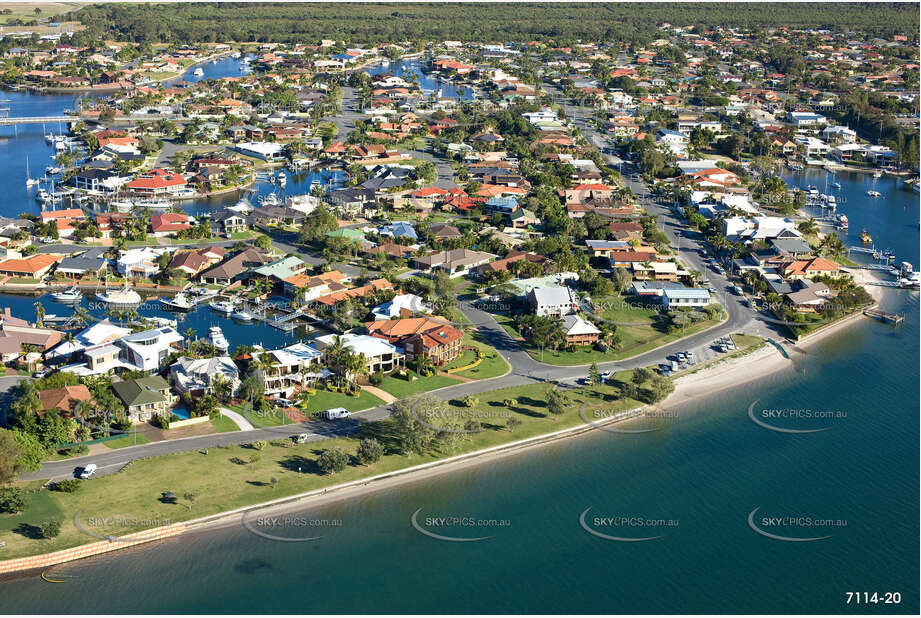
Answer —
181 412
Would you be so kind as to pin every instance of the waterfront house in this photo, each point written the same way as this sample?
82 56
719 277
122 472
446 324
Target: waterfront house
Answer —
401 306
290 367
157 182
579 331
234 268
148 349
379 354
196 375
145 398
169 223
139 262
32 267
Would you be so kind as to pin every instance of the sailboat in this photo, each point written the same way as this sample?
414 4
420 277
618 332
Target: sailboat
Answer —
123 296
30 182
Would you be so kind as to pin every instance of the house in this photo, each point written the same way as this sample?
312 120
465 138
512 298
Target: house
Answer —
337 297
685 297
503 265
64 399
229 222
810 298
147 350
290 368
626 230
233 268
523 218
157 182
558 301
100 333
804 269
169 223
607 248
456 261
379 355
140 262
33 267
145 398
352 200
427 337
89 264
578 331
196 375
193 262
400 306
399 229
444 231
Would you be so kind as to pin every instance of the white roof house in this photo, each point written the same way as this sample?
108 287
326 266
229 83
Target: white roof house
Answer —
552 301
148 349
197 374
139 262
758 228
687 297
401 306
380 354
574 325
98 333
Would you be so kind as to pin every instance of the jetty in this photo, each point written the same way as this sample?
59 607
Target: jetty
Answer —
890 318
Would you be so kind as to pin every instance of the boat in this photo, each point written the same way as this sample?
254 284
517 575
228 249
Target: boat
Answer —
70 295
162 322
282 179
270 200
121 206
30 182
242 207
865 237
872 193
122 296
223 306
198 72
877 174
836 185
316 184
52 170
812 190
179 302
832 202
217 338
241 316
154 204
841 222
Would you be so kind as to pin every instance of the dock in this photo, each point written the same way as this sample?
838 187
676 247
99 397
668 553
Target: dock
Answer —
889 318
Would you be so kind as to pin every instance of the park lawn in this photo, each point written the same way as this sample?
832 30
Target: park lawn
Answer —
324 400
271 418
400 388
131 440
508 323
241 475
223 424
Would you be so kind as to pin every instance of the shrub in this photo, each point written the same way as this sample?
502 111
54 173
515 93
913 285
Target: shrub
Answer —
254 458
376 378
173 418
369 451
283 443
259 445
508 403
13 500
513 423
67 485
50 528
471 401
73 451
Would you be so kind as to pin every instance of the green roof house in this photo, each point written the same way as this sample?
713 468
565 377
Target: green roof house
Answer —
145 398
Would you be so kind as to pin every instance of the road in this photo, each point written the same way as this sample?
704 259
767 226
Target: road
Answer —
524 369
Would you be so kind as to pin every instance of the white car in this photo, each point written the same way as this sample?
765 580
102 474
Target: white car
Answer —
284 403
88 471
334 413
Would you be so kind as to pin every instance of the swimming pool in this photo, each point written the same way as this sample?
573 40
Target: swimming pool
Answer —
181 412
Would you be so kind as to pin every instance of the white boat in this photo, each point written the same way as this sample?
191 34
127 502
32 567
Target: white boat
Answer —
282 179
179 302
30 182
841 222
223 306
832 201
241 316
243 207
877 174
270 200
154 204
198 72
218 340
70 295
872 193
836 185
121 206
160 322
123 296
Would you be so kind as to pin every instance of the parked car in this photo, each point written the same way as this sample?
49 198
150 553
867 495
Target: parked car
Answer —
301 438
281 402
88 471
334 413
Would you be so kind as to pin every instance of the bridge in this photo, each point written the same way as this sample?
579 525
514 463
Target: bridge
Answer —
35 119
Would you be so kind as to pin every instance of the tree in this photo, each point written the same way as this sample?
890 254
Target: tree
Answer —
222 388
33 453
263 242
10 454
332 460
190 498
411 418
557 401
369 451
660 388
593 377
641 375
513 423
13 499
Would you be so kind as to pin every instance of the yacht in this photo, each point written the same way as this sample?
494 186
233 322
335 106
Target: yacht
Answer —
877 174
223 306
314 185
832 202
242 207
270 200
841 222
121 206
179 302
836 185
30 182
282 179
52 170
155 205
241 315
872 193
123 296
70 295
198 72
218 340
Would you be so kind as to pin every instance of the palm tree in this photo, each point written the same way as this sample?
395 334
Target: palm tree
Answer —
833 246
809 227
39 314
189 333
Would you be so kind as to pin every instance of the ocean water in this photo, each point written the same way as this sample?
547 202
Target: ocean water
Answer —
704 472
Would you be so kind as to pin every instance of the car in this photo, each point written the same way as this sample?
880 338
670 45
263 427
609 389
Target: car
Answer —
334 413
712 290
284 403
301 438
607 375
88 471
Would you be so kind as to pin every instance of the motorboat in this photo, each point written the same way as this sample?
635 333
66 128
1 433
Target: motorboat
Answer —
217 338
242 207
198 72
270 200
282 179
121 206
872 193
179 302
832 202
120 296
154 205
836 185
841 222
242 316
877 174
865 237
223 306
70 295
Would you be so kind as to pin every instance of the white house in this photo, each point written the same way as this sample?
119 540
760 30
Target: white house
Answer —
687 297
140 262
806 119
196 375
290 367
552 301
402 305
813 145
379 354
840 134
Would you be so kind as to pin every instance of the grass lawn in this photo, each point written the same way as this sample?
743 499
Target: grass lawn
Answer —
223 424
240 475
400 388
28 280
124 441
324 400
493 364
